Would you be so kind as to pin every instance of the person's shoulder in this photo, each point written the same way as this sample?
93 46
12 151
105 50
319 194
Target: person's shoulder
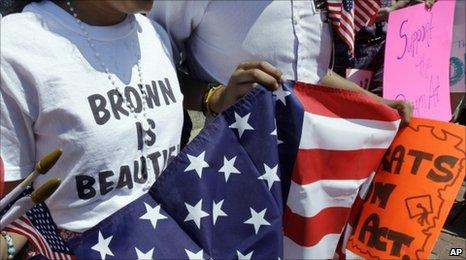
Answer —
155 27
148 23
158 31
21 29
19 22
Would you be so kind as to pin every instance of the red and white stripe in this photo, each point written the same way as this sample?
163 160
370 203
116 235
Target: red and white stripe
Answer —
347 24
24 227
342 252
344 136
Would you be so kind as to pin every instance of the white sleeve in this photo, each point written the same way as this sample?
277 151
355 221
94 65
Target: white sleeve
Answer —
180 19
166 41
17 145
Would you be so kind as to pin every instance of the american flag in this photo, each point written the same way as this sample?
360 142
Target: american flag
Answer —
220 198
349 16
38 227
343 137
223 196
342 252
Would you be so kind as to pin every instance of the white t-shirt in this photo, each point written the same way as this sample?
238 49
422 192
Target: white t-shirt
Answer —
218 35
55 93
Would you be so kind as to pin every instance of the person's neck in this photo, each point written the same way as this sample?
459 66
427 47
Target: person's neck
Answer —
92 13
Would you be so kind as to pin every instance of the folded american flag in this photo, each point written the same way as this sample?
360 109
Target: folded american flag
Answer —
222 197
342 139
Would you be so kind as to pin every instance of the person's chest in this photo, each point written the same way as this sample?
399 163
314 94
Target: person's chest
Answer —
127 85
288 34
99 124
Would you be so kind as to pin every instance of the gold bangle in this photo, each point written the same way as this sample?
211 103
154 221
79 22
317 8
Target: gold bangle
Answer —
210 94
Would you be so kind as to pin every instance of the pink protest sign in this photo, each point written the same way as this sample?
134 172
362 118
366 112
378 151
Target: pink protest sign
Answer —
417 58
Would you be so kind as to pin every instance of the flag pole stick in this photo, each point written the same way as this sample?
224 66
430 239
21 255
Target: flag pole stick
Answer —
21 206
42 167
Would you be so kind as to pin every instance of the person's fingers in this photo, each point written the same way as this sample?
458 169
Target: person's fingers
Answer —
405 109
235 77
264 66
430 3
254 76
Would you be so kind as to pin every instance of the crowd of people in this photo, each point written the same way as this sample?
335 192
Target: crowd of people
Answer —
109 82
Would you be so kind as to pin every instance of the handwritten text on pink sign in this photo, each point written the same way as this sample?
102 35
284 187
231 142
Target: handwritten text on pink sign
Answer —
417 58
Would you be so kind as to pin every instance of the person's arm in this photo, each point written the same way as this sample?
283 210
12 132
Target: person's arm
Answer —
246 77
334 80
179 19
18 111
18 240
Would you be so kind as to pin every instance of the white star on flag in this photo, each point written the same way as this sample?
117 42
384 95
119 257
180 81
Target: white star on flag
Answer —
228 167
281 95
217 211
102 246
144 256
152 214
244 257
195 213
270 175
194 256
274 133
257 219
241 124
197 164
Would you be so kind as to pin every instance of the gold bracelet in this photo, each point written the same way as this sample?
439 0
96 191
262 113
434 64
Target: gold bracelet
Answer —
210 94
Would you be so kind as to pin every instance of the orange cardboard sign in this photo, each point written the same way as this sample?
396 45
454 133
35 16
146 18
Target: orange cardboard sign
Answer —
412 192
